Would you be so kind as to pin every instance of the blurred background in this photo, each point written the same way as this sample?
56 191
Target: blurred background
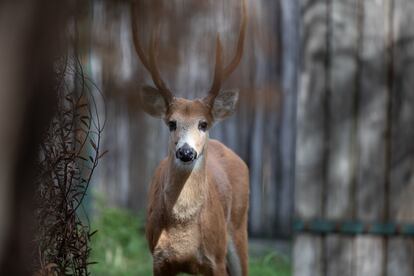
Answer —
325 123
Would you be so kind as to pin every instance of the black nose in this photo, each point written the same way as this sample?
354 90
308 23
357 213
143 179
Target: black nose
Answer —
186 153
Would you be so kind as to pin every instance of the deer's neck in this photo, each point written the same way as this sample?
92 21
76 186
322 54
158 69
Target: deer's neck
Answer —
185 189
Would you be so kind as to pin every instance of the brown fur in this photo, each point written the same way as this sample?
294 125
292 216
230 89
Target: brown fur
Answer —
193 212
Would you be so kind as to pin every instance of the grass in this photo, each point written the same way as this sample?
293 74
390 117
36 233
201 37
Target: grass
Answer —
271 264
120 249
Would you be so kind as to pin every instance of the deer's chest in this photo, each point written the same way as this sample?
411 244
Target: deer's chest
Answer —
179 245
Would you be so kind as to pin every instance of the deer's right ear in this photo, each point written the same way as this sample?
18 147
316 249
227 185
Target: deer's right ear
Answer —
153 102
224 104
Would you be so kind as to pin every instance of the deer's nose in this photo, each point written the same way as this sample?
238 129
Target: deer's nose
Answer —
186 153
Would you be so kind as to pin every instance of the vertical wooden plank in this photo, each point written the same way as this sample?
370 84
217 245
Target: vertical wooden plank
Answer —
343 43
310 134
372 121
339 255
307 255
369 256
264 152
290 63
343 72
400 257
372 113
401 250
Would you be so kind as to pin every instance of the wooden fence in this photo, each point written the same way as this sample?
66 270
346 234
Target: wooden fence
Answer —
355 138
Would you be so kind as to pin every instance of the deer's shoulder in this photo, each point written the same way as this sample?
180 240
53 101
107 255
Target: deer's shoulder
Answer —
220 153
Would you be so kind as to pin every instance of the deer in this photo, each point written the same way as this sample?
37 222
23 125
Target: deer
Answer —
198 199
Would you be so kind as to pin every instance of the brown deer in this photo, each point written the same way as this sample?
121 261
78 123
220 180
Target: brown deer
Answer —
199 195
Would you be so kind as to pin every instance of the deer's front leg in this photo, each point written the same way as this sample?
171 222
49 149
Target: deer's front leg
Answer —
220 269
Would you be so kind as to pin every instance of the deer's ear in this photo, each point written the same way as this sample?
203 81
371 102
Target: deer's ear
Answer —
153 102
225 104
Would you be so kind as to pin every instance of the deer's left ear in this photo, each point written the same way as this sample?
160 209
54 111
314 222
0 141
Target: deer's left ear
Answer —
153 102
225 104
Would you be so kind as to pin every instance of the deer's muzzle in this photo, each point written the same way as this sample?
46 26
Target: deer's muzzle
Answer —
186 153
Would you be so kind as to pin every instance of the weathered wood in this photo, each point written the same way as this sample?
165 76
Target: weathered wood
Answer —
339 257
342 84
290 71
339 188
368 256
307 253
383 131
400 257
371 144
264 164
401 250
372 114
311 134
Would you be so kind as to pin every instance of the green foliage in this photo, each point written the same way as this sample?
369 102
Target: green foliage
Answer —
119 246
120 249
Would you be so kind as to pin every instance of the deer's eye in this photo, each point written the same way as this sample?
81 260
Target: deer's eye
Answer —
202 125
172 125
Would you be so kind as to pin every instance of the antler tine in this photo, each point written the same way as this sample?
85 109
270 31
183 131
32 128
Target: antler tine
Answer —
155 74
240 44
135 37
221 74
218 73
151 64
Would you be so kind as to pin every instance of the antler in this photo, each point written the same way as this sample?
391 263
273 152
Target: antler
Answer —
151 64
221 74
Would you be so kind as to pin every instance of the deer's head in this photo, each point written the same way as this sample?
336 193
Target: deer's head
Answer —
189 120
